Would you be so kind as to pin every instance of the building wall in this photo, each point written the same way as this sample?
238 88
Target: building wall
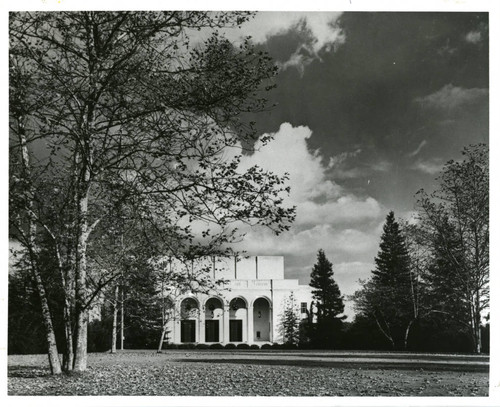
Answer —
259 282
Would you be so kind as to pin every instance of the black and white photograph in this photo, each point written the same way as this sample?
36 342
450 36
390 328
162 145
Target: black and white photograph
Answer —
209 202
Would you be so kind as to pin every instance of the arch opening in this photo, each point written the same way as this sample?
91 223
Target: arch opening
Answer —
213 320
261 320
238 317
189 316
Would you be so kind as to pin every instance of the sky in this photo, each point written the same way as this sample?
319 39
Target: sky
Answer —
369 107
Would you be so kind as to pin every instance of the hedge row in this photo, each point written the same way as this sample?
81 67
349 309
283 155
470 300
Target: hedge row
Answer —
229 346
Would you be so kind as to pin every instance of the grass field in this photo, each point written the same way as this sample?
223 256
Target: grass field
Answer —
256 373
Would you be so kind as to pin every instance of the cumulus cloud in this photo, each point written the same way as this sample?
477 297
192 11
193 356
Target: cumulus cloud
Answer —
328 216
322 25
451 97
318 199
312 32
288 153
315 31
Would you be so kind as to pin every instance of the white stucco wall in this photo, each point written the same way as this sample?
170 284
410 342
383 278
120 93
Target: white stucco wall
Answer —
271 267
247 286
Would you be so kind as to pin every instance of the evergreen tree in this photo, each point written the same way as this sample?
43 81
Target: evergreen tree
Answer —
386 297
289 322
329 303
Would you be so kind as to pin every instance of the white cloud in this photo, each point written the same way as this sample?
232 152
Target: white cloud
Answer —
419 148
321 25
473 37
318 31
432 166
341 158
450 97
321 28
342 242
288 153
318 199
327 215
381 166
347 209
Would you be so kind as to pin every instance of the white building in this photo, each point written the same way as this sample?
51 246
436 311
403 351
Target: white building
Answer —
246 310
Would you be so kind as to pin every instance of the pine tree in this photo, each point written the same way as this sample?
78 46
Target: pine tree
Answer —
326 291
392 259
386 297
329 303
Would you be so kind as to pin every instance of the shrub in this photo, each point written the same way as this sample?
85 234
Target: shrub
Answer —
187 346
266 346
254 346
216 346
230 346
277 346
289 346
202 346
243 346
306 345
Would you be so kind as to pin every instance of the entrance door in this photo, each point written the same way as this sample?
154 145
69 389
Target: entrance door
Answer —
188 330
211 331
236 330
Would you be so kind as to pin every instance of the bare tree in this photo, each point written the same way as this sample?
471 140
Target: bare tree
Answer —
456 217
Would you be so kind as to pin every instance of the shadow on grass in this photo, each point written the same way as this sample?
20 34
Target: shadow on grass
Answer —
396 355
27 372
452 367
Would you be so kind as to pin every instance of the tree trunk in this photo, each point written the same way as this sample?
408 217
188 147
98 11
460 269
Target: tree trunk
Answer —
53 354
115 321
407 333
162 337
386 334
68 331
80 362
478 324
122 319
54 361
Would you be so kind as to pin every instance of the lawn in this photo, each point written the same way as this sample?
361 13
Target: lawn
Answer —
256 373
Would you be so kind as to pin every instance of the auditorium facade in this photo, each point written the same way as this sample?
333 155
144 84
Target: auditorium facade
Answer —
247 307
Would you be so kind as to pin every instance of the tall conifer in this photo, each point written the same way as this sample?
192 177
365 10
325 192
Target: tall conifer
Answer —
329 303
326 291
386 297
